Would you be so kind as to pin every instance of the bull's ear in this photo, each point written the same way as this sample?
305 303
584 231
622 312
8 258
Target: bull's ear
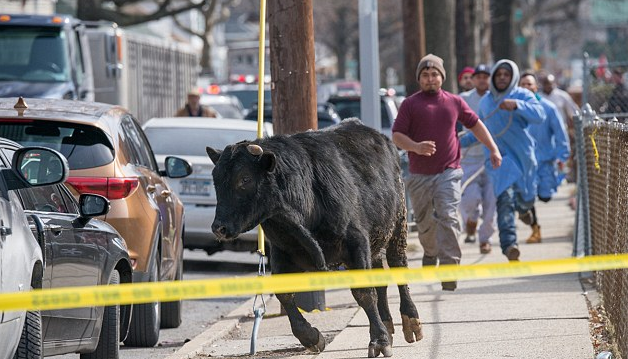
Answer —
268 161
214 155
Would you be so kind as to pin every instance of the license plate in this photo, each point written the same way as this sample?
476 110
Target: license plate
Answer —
197 188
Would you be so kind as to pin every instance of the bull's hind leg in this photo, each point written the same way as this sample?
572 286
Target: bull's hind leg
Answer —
310 337
396 257
382 303
360 258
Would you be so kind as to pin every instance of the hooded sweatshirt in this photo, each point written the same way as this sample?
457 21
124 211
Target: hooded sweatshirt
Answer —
511 134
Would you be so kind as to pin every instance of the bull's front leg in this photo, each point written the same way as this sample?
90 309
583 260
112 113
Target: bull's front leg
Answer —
312 247
310 337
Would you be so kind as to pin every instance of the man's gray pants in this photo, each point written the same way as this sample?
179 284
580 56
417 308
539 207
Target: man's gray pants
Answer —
435 200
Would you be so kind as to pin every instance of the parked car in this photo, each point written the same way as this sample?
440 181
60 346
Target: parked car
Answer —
108 154
325 113
349 106
227 106
73 241
187 138
246 93
21 257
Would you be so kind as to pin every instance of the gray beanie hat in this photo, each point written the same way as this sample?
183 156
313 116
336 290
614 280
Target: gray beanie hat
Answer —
430 60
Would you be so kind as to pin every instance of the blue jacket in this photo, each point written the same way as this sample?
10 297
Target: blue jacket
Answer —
510 132
551 138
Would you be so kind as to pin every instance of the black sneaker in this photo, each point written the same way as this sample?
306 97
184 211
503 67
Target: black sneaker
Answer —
429 261
449 286
512 253
471 238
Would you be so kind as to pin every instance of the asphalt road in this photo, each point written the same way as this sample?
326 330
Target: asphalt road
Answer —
201 313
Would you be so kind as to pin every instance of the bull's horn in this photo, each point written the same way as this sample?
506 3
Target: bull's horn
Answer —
255 150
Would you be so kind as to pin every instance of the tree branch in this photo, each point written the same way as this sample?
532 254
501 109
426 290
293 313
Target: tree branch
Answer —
126 20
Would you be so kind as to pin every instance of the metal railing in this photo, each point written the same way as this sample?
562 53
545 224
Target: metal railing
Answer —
601 225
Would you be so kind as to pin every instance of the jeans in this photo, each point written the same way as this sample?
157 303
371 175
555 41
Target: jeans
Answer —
508 202
435 199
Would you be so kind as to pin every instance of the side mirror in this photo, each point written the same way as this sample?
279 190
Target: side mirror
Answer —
93 205
177 167
35 167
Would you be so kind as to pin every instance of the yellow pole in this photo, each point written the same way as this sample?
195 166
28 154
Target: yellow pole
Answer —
260 98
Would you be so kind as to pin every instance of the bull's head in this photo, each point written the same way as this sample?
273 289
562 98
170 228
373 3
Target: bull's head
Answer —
241 179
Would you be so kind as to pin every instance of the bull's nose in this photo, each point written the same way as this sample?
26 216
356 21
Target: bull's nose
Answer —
219 230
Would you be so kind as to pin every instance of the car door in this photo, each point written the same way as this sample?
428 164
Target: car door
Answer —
158 188
15 252
72 258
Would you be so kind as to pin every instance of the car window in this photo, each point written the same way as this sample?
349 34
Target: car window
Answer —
68 199
45 199
139 146
84 146
196 139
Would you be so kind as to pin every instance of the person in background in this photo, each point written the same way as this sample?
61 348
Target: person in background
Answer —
465 79
508 110
426 128
618 101
552 150
567 108
193 107
477 193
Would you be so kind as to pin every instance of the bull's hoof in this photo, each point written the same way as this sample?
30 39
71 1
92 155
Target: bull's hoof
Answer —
376 349
390 328
412 329
318 347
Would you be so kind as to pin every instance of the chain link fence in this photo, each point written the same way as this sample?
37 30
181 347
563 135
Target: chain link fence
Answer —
602 207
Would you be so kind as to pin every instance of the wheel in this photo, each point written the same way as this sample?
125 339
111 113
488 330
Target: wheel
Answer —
171 311
30 346
109 340
144 327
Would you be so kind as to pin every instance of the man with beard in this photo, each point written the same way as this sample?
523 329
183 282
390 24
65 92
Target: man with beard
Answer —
508 111
426 128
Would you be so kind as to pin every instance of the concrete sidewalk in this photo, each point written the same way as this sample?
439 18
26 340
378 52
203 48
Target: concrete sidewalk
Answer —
531 317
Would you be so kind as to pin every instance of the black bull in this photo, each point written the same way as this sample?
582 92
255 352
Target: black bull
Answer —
324 199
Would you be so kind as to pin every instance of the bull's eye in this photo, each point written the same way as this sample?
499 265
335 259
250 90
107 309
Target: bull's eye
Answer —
244 181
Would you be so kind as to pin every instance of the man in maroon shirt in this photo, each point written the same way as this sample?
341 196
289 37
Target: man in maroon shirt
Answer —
426 128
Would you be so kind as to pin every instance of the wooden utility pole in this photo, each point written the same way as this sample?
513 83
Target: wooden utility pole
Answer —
293 86
413 42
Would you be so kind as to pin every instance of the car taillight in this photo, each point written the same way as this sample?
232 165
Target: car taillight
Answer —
110 187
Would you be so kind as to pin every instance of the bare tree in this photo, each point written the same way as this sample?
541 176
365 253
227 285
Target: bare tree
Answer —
114 10
502 38
214 12
473 29
291 32
440 38
413 42
336 26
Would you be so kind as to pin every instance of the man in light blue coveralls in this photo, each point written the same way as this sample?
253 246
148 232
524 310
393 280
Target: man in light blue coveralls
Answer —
508 110
552 151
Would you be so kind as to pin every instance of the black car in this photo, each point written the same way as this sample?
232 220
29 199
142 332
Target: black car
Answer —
78 250
349 106
325 112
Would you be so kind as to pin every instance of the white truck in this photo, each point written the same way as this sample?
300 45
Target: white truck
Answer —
58 56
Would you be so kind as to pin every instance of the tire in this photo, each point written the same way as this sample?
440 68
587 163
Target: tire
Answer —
109 340
171 311
31 344
145 320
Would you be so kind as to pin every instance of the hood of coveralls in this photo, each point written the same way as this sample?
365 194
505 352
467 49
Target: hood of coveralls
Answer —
498 95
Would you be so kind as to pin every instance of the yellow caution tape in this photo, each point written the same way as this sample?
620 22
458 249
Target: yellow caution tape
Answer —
596 154
72 297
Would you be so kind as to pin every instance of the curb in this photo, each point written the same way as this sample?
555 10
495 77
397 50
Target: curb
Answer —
217 331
